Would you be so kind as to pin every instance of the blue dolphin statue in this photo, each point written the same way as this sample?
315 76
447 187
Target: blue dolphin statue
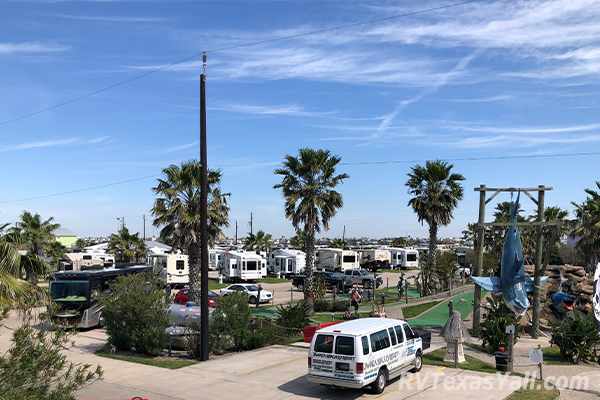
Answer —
513 284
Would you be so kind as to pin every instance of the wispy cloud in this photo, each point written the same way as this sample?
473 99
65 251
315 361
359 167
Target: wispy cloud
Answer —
179 148
289 110
481 99
52 143
31 47
100 18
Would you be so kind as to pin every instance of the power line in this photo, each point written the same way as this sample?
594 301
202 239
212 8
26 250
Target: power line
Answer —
374 21
342 163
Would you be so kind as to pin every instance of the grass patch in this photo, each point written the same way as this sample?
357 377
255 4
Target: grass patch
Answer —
215 285
535 394
552 356
436 357
413 311
155 362
271 279
475 346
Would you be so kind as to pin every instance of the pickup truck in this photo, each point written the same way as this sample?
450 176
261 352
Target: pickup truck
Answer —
332 280
363 277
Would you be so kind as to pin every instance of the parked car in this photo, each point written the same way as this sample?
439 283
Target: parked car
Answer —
332 280
251 290
363 277
183 296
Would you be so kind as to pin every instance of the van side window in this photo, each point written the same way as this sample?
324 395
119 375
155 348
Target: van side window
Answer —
380 340
399 333
324 344
344 345
393 336
408 332
365 344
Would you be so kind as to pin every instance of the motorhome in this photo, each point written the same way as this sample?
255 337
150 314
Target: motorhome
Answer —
171 269
374 259
81 262
403 258
363 352
287 261
243 266
337 260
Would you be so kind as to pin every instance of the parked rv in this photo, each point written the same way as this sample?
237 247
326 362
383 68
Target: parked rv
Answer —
215 258
402 258
288 262
171 269
81 262
374 259
337 260
243 266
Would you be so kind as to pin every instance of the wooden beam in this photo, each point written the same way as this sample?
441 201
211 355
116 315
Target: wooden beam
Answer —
537 189
531 197
492 196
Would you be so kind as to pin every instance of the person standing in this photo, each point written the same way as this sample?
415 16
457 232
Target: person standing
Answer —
168 291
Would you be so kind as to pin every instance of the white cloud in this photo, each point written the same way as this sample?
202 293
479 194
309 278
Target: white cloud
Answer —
289 110
31 47
121 19
51 143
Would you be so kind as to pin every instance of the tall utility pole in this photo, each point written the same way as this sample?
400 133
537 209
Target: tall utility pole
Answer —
144 216
537 272
236 228
203 222
251 223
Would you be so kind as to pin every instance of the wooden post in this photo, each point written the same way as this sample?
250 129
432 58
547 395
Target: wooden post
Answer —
540 364
511 339
292 294
479 262
455 353
535 322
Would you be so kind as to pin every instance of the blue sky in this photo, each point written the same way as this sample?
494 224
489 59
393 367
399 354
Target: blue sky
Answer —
471 84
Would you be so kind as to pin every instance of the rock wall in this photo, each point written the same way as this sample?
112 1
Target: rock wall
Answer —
567 279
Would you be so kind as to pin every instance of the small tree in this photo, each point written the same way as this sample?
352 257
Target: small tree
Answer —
135 313
230 322
35 367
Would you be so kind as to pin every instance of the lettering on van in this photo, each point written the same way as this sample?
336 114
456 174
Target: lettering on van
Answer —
382 360
335 356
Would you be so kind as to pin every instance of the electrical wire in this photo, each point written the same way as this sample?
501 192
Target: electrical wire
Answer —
341 163
221 49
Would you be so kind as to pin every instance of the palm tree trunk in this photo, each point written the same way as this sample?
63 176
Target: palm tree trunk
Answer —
193 250
433 230
310 262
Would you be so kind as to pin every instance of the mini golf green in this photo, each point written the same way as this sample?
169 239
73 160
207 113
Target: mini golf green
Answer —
438 315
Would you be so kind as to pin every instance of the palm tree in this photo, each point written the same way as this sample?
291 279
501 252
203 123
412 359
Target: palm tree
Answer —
337 244
37 234
255 242
299 240
588 225
126 245
80 244
177 211
308 183
436 193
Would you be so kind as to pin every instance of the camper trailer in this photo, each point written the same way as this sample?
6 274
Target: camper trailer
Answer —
337 260
287 261
81 262
215 257
171 269
374 259
243 266
402 258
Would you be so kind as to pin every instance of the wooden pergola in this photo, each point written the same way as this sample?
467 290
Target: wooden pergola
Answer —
539 268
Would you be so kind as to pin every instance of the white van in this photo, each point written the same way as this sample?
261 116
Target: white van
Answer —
361 352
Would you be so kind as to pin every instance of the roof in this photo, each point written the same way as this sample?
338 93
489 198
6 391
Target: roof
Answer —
361 326
63 232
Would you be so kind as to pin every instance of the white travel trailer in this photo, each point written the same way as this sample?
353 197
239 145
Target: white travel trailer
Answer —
403 258
81 262
337 260
288 261
374 259
215 258
243 266
173 269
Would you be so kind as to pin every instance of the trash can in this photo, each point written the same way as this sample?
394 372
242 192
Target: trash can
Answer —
425 337
501 361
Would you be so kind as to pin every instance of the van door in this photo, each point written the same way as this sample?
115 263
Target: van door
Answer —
334 356
410 343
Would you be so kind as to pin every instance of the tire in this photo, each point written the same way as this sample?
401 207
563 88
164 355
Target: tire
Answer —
252 299
418 362
379 385
367 284
100 321
300 287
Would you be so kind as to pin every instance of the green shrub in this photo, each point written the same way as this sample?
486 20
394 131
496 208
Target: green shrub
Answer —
576 337
493 329
321 305
339 306
231 322
294 317
319 287
135 313
35 366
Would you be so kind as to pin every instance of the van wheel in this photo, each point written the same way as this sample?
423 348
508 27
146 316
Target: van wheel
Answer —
379 385
252 299
300 287
418 362
367 284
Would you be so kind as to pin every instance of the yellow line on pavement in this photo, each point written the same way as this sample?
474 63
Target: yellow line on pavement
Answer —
408 383
274 365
